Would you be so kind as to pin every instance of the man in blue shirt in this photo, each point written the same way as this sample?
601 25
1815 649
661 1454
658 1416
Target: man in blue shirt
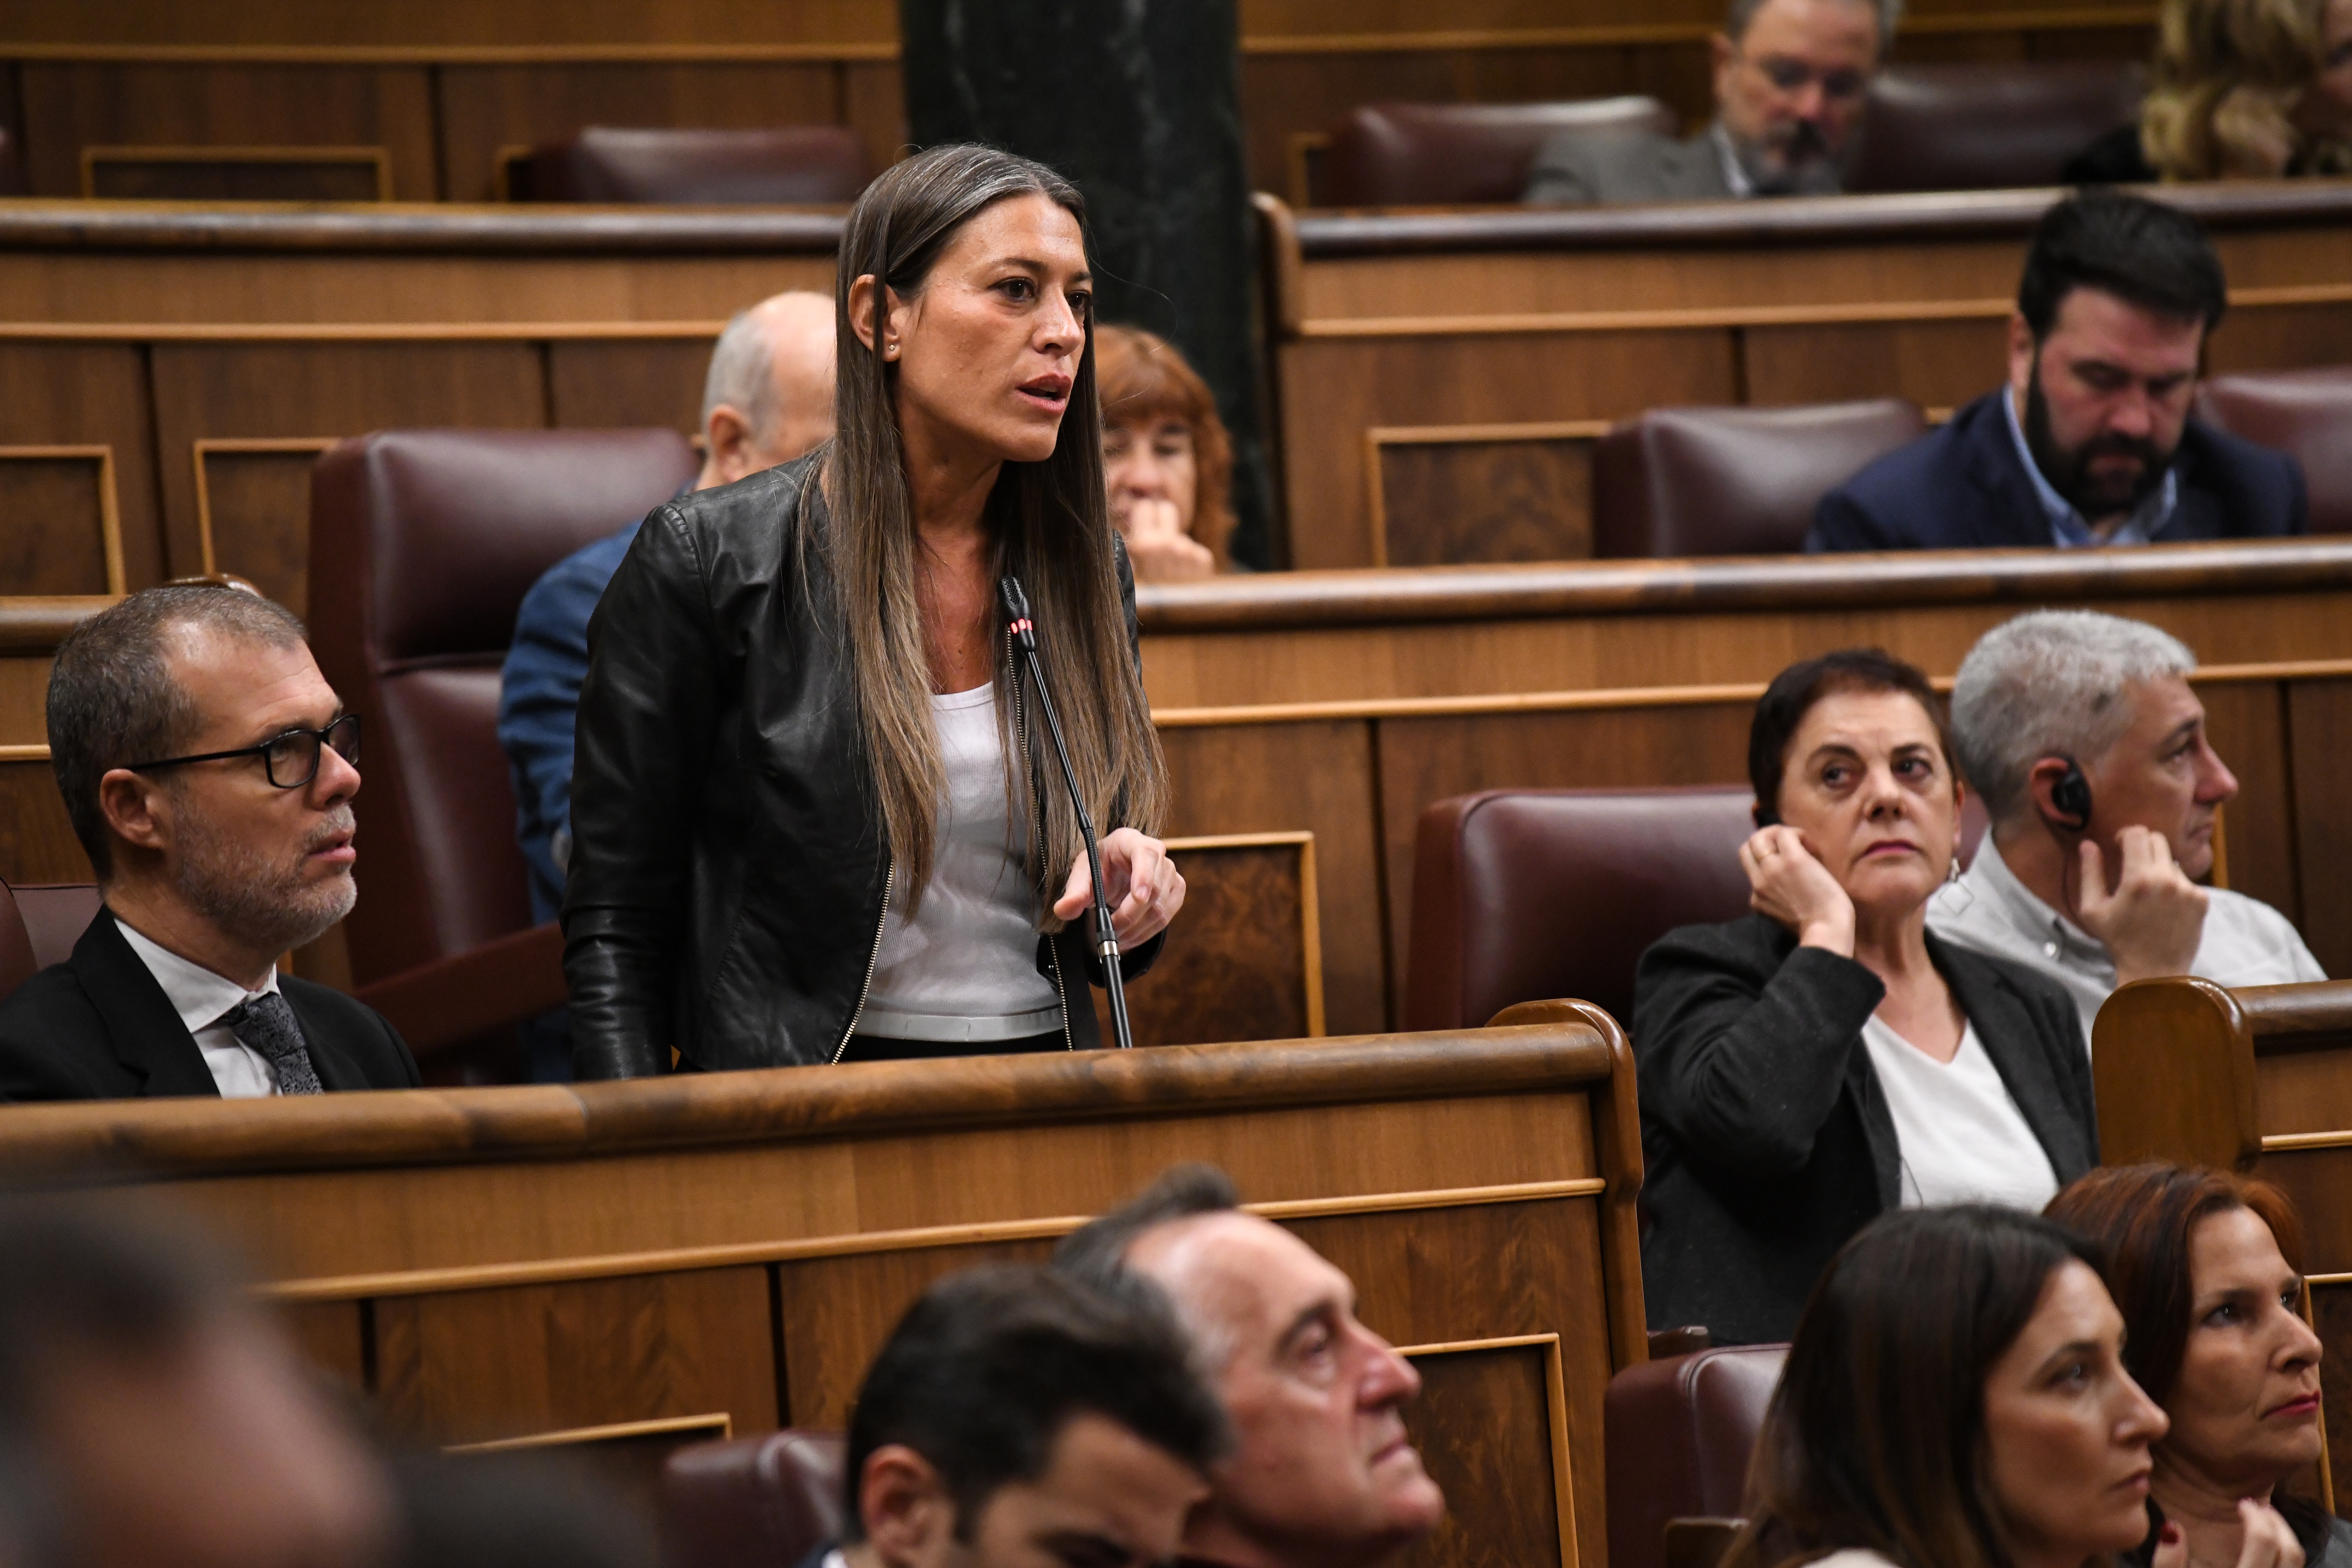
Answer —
2091 441
768 399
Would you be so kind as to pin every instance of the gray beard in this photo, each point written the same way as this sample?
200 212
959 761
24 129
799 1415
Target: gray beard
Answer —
1814 173
266 907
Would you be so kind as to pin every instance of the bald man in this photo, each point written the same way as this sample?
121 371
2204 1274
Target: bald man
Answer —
767 400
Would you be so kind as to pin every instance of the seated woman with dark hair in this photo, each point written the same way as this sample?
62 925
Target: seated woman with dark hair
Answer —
1956 1397
2206 1266
1826 1059
1167 462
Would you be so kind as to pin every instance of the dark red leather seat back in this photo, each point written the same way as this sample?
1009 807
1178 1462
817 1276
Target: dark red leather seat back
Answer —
1677 1434
17 964
1525 895
1984 125
55 914
2304 413
1733 481
1432 155
785 164
756 1503
423 544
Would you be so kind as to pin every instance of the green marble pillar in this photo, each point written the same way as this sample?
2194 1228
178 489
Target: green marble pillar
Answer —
1138 102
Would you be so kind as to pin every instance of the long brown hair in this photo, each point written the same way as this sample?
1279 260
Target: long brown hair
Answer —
2229 75
1876 1436
1144 378
2147 1218
1051 522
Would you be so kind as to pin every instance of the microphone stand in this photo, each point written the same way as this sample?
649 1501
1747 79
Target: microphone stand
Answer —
1025 638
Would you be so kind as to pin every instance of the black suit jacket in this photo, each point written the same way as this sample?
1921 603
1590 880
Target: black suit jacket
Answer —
98 1027
1964 487
1767 1135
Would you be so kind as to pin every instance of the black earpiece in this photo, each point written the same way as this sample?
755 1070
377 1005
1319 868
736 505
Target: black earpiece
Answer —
2069 793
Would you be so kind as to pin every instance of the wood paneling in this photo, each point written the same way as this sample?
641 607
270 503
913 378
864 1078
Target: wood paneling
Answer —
71 106
1483 1409
237 173
617 383
2319 738
36 838
332 1336
1312 777
253 512
2247 725
2331 1314
1440 496
1248 964
86 394
65 535
476 1365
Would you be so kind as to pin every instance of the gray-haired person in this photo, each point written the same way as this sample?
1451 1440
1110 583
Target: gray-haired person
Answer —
2088 744
1790 78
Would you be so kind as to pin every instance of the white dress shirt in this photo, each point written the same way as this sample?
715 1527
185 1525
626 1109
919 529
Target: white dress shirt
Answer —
203 1000
2245 941
2069 529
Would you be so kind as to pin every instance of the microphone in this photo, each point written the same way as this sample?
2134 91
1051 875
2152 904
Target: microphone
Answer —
1025 638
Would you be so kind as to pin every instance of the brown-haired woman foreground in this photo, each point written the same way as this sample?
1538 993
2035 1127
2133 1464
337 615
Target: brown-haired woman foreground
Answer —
1826 1059
812 815
2206 1268
1955 1398
1165 457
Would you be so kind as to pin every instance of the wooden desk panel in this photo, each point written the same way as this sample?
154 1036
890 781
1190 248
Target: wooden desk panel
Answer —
530 1260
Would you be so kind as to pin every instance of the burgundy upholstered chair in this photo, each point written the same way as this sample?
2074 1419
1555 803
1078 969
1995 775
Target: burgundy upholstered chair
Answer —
1733 481
1526 895
755 1503
1985 125
53 915
2304 413
423 544
1432 155
784 166
1677 1434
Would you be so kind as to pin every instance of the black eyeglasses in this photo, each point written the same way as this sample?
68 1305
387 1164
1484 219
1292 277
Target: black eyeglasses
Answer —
291 760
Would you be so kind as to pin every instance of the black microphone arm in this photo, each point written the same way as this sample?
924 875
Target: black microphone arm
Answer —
1025 638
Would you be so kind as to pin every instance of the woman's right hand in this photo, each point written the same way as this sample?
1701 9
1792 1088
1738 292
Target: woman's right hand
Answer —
2269 1541
1158 546
1786 883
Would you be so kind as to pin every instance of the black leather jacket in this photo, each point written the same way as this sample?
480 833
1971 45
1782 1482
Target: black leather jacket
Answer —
725 890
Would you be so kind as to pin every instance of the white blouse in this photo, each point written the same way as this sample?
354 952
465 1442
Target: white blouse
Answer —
1963 1139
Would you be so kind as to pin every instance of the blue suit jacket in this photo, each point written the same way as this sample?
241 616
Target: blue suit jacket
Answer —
539 694
1964 487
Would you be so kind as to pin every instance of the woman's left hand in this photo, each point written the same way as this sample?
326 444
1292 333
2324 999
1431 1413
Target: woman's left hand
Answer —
1143 886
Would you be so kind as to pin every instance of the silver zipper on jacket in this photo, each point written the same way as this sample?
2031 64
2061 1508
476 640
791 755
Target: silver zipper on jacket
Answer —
1037 813
889 870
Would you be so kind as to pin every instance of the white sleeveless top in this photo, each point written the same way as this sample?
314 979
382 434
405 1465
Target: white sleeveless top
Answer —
965 968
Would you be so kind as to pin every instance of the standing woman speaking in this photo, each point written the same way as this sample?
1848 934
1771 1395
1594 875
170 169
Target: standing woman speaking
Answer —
812 817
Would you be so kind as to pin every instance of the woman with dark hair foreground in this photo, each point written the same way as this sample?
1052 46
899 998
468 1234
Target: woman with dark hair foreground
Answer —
1956 1397
813 815
2206 1266
1826 1059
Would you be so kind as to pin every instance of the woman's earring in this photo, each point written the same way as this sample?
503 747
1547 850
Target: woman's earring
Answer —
1957 895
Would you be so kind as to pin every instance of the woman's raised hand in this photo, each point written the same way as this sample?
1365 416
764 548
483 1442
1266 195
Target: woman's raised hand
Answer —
2269 1541
1143 886
1786 883
1163 551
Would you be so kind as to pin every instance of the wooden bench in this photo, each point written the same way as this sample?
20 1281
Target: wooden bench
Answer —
669 1260
1437 371
2258 1081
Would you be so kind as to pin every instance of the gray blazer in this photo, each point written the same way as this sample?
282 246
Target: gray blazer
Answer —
1589 167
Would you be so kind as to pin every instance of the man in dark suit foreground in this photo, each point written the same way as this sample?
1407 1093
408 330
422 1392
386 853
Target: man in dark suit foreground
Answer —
209 770
1017 1417
1789 80
2091 441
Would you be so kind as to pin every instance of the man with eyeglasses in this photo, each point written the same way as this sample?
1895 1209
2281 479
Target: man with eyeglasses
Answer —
1790 77
209 770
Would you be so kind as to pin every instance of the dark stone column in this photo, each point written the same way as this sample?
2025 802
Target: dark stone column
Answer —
1138 102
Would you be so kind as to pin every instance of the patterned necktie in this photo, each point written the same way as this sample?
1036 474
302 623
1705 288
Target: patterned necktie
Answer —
267 1024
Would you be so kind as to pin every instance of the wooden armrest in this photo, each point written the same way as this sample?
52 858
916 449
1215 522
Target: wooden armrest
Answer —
441 1004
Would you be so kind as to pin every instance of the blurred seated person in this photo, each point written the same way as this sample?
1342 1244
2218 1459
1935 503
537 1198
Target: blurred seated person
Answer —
2091 442
1166 460
209 770
2086 742
1957 1398
2205 1267
2243 90
768 399
1826 1059
165 1421
1322 1473
1789 80
1018 1417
